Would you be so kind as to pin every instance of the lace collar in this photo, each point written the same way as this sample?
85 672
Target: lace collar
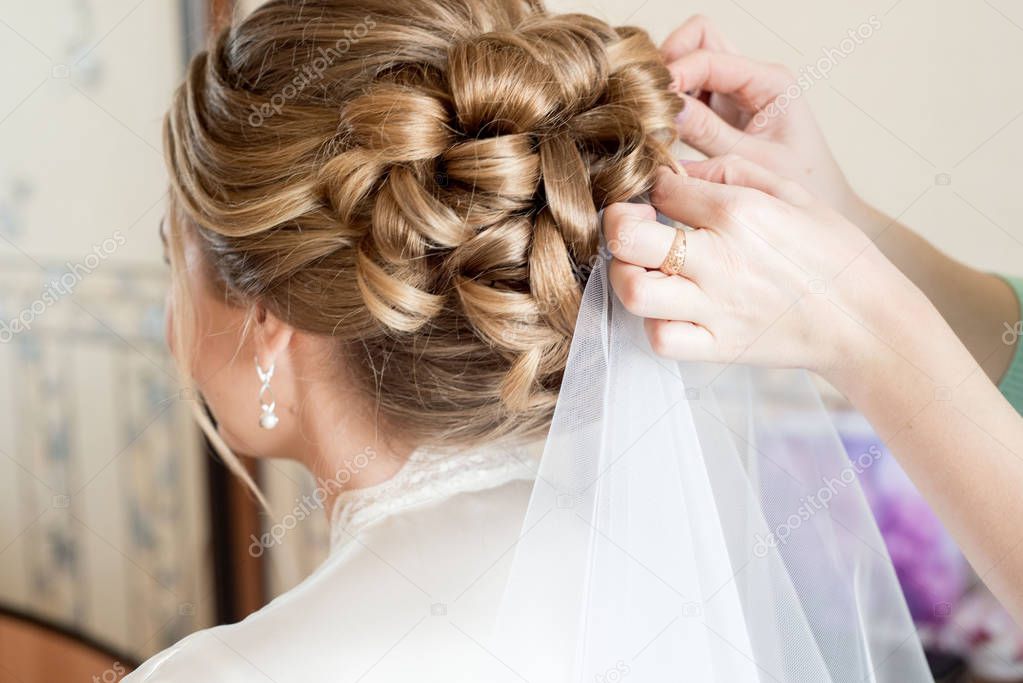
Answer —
427 477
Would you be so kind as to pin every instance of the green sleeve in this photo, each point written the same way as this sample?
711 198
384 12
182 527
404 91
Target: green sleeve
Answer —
1012 383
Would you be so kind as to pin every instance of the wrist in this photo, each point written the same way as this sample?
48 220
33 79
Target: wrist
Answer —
900 351
886 331
866 357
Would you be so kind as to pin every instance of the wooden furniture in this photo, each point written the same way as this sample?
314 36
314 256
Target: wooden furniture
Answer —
34 652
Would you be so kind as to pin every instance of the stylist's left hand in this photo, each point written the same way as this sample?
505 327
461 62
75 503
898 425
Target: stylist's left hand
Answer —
772 276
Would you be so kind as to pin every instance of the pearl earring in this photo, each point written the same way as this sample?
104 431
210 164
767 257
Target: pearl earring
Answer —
268 418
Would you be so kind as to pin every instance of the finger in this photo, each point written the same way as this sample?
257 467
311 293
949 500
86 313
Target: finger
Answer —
705 131
695 33
735 170
752 84
700 203
627 210
646 243
652 294
680 340
620 225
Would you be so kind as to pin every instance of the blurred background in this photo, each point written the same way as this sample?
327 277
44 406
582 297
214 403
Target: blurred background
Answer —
120 534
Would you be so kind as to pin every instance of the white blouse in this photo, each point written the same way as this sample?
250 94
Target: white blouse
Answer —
409 591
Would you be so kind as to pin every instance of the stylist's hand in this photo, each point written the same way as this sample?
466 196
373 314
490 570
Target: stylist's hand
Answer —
772 276
753 109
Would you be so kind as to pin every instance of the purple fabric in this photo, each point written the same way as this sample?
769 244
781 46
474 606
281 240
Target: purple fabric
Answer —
933 573
954 612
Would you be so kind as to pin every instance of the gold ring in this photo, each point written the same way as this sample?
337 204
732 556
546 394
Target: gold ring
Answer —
675 262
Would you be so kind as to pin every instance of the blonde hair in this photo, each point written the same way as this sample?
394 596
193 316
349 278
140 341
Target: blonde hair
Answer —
419 181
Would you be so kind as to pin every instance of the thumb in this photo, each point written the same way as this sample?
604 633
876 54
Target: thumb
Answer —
732 169
703 130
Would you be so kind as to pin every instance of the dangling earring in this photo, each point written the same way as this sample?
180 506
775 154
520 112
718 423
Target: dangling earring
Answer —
268 418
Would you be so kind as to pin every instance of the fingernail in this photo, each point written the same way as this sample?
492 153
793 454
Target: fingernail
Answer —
686 162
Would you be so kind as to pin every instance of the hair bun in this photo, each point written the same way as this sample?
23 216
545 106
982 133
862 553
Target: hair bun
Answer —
446 213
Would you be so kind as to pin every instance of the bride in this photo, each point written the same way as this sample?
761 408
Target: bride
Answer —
383 220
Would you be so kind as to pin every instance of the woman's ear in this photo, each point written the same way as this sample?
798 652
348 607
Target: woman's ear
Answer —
272 336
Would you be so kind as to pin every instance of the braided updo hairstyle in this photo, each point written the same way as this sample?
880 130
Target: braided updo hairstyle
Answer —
419 180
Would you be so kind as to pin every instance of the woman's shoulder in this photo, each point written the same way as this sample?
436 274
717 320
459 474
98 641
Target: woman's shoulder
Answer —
201 656
255 648
416 588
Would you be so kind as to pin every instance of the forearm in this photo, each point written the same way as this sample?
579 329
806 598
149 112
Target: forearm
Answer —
951 430
976 305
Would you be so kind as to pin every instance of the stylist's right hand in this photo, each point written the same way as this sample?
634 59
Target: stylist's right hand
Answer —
771 275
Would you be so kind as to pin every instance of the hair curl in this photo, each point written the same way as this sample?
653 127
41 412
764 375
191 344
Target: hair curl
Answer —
420 180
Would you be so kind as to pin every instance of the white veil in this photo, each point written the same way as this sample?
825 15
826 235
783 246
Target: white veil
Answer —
682 529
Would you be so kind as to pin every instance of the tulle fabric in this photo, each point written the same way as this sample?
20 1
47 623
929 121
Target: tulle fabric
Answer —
695 522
